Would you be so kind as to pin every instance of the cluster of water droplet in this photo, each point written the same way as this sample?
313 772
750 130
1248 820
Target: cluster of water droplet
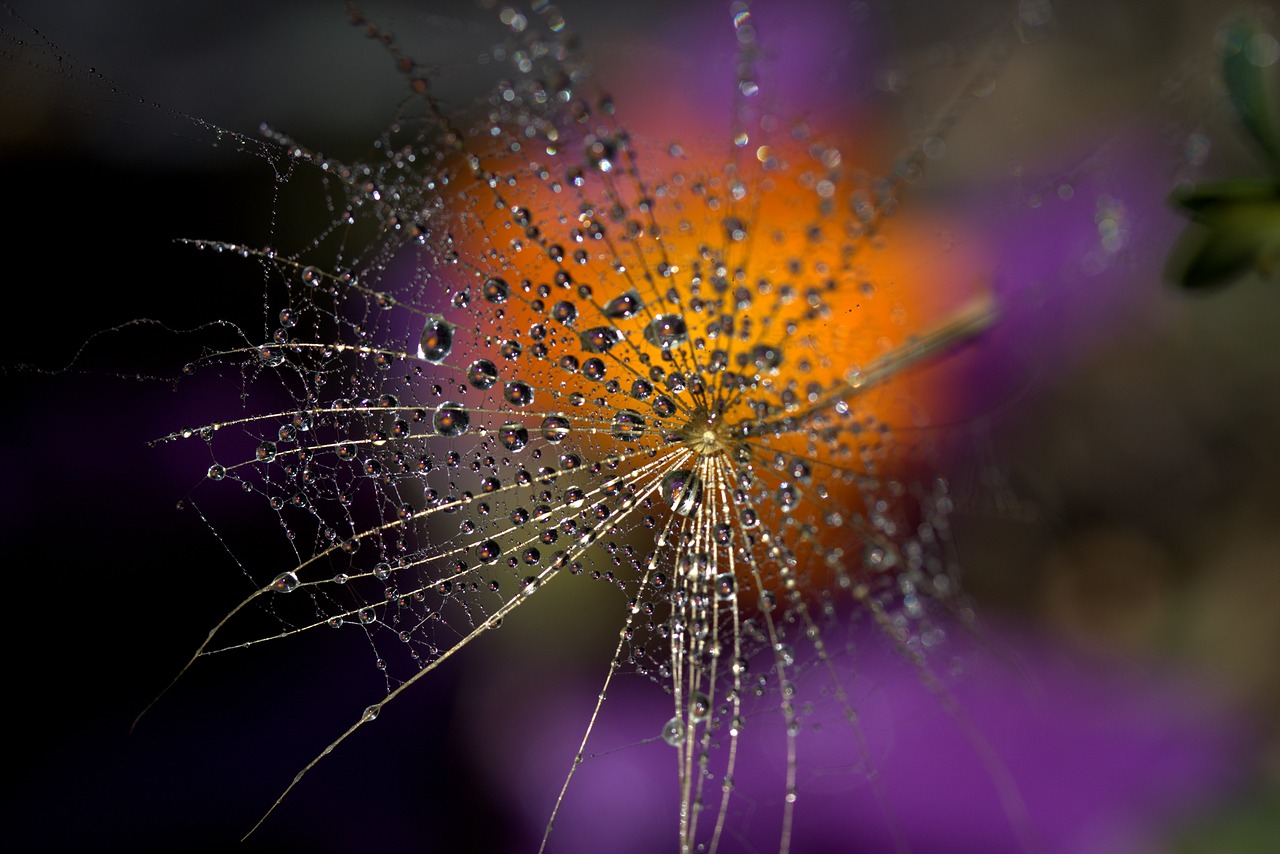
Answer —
528 345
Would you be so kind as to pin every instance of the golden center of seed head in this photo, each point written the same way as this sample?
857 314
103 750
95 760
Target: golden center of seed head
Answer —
707 433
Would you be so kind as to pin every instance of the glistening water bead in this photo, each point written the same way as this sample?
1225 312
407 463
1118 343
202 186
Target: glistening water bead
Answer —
482 374
667 331
451 419
436 341
682 490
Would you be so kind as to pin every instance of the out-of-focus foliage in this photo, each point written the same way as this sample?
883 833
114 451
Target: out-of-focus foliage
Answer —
1236 224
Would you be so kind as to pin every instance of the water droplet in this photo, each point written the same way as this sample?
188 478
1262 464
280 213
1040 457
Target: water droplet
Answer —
766 357
601 153
627 305
482 374
451 419
628 425
217 472
511 350
664 406
513 436
518 393
436 340
726 586
370 713
286 582
565 312
496 290
489 551
271 356
667 331
673 732
682 490
699 707
266 452
600 339
555 428
787 497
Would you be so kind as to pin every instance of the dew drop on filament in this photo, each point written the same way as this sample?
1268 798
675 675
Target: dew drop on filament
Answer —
436 341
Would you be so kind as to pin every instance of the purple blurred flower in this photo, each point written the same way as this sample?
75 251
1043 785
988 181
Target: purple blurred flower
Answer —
1103 754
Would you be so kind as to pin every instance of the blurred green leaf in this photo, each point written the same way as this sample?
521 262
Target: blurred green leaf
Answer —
1228 237
1235 224
1247 85
1204 200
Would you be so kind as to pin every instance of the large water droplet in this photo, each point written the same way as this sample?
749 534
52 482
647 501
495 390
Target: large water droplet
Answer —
682 490
555 428
271 356
518 393
286 582
451 419
600 339
565 312
673 732
627 305
726 586
664 406
641 389
489 551
436 340
667 331
628 425
513 436
482 374
496 290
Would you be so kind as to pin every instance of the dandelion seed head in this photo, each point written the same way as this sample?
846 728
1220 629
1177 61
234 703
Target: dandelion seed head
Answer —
540 338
